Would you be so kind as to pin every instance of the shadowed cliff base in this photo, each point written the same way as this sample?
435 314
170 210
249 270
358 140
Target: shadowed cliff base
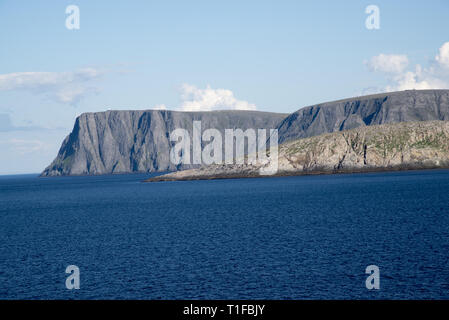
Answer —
417 167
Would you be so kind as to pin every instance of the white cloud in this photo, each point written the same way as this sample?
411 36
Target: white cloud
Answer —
388 63
420 79
65 87
74 93
443 55
432 77
194 99
25 146
159 107
6 125
28 151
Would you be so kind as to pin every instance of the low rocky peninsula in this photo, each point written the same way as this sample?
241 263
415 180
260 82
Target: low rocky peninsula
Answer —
388 147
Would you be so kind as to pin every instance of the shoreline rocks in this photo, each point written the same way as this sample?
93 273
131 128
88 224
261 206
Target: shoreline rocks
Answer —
391 147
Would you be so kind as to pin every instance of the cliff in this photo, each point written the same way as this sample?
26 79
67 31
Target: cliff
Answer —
400 146
139 141
393 107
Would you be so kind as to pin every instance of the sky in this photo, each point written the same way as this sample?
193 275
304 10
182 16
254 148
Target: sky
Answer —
273 56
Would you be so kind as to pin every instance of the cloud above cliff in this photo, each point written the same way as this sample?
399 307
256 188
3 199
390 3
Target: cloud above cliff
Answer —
419 79
400 77
443 55
25 146
389 63
64 87
6 125
195 99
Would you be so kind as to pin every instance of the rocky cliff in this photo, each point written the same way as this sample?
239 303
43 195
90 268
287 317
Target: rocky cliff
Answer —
139 141
410 105
400 146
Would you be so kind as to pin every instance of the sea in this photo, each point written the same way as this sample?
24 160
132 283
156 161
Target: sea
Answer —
302 237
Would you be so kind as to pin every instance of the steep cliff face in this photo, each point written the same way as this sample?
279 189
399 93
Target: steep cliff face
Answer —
406 145
139 141
410 105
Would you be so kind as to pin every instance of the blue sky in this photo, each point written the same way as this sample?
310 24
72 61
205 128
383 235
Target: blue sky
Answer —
266 55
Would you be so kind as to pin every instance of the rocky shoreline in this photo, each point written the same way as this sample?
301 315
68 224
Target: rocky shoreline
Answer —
161 178
391 147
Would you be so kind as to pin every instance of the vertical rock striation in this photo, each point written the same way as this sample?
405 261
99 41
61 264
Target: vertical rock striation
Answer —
402 106
139 141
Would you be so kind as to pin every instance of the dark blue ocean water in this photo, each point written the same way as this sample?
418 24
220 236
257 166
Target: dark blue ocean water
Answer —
271 238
